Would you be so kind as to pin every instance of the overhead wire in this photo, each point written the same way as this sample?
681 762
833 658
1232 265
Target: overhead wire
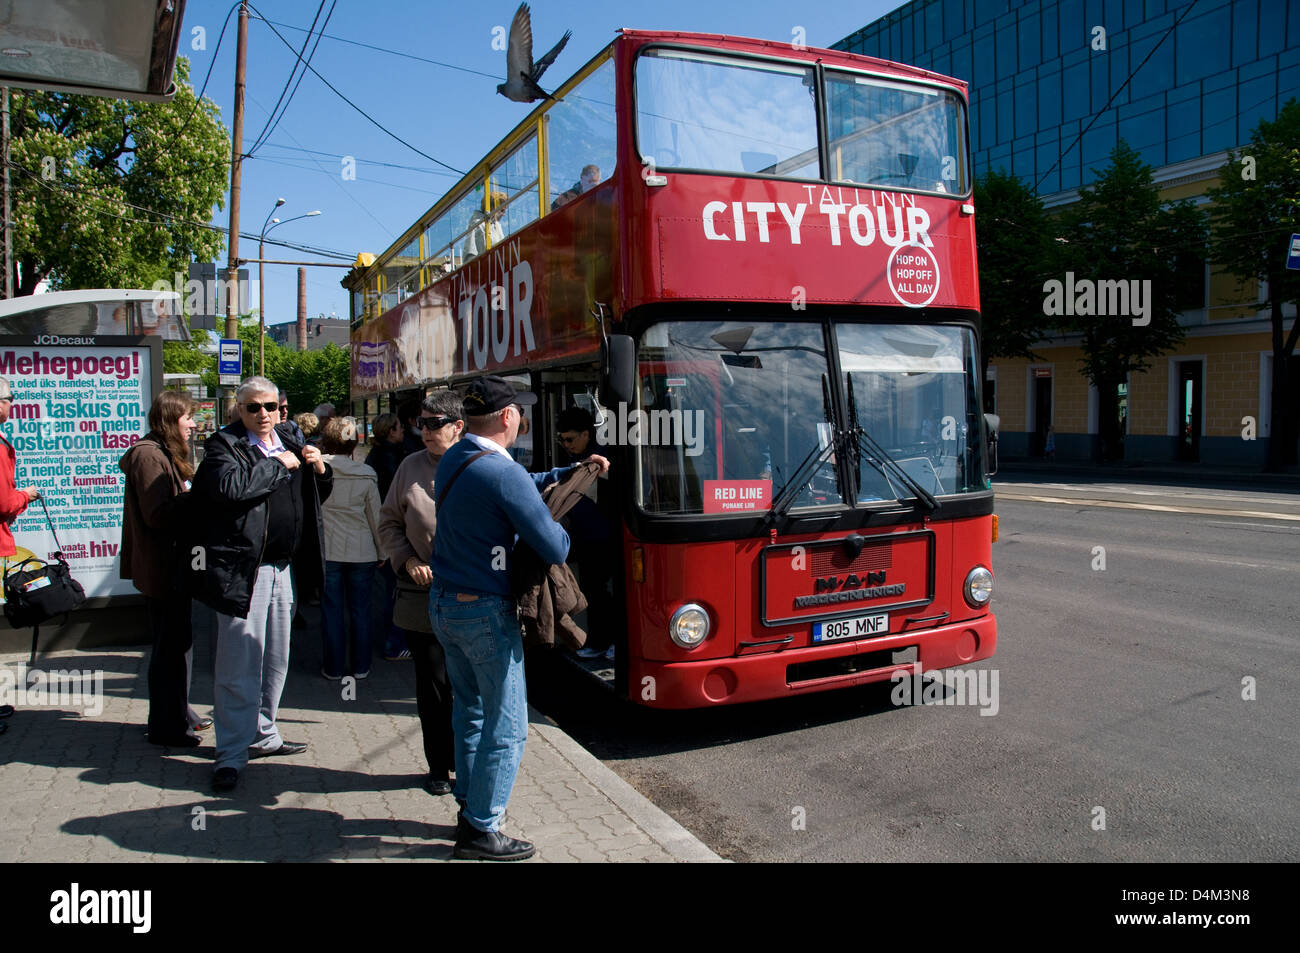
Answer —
375 122
274 121
167 219
382 49
198 98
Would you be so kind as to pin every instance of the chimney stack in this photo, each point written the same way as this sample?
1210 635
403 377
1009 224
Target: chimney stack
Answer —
302 309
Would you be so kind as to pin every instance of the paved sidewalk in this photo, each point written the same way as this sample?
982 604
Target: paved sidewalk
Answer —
84 787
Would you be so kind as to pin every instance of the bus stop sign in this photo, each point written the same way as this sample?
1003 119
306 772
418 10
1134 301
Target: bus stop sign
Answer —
1293 256
230 358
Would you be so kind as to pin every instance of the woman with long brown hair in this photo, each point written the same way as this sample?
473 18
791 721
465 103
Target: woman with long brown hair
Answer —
158 472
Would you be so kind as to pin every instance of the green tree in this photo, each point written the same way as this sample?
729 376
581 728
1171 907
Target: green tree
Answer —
1120 230
113 193
1252 219
308 377
1014 243
188 357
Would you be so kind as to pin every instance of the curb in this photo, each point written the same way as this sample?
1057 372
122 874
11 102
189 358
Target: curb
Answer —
1145 473
684 846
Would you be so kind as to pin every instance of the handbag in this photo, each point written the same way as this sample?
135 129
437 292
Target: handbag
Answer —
411 606
36 591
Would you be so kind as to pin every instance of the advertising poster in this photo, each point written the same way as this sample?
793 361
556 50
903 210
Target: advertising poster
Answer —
78 405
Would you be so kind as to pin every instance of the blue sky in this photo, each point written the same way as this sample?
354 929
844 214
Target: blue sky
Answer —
450 111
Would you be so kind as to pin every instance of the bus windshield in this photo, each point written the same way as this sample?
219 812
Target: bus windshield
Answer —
912 390
731 410
726 114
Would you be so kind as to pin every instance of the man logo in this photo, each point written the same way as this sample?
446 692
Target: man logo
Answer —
851 581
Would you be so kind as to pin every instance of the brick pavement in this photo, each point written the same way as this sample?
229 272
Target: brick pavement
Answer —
80 787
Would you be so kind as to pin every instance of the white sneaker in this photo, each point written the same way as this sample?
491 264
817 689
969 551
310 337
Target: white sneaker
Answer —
589 653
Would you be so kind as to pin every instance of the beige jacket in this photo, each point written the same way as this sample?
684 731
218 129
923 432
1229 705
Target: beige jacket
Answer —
352 513
407 520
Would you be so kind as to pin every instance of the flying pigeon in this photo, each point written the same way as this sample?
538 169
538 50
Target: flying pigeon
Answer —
522 73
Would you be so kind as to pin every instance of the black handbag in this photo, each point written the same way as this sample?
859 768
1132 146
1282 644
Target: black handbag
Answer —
36 591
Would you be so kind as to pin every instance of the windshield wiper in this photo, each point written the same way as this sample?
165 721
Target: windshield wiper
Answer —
881 460
783 500
785 497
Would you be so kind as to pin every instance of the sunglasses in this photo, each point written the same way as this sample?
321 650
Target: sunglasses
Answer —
433 423
270 407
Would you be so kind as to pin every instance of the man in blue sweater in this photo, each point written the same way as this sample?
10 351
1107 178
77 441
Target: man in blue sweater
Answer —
486 501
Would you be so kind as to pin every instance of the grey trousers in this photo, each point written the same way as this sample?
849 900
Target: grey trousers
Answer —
250 667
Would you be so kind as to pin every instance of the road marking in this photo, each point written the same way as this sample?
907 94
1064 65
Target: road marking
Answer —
1115 504
1263 526
1168 491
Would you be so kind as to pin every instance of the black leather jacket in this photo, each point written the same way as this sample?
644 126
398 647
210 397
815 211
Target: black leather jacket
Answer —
230 510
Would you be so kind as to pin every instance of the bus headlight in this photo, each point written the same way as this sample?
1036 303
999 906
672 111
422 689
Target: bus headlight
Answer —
979 587
689 626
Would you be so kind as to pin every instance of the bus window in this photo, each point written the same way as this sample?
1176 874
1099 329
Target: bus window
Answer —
696 111
580 132
726 404
451 231
895 135
515 178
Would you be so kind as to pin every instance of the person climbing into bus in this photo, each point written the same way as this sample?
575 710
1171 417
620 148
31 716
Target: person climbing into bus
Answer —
591 537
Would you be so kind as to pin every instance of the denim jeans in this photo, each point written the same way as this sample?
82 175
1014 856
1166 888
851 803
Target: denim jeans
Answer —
346 584
489 718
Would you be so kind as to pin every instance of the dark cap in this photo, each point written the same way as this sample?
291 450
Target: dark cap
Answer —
487 395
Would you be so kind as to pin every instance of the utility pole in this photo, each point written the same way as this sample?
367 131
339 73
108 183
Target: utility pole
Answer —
8 239
236 157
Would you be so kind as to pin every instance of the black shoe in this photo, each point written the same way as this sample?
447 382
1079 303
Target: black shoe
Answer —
6 711
286 747
473 844
224 779
437 786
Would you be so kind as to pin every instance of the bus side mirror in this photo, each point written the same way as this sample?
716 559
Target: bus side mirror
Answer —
618 370
991 424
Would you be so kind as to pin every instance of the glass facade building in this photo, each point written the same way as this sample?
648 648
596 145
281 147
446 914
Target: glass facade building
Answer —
1054 86
1041 70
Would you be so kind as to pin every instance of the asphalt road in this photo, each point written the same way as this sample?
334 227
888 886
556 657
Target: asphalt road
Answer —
1120 703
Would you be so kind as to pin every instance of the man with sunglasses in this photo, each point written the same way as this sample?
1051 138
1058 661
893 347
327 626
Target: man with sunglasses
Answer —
260 492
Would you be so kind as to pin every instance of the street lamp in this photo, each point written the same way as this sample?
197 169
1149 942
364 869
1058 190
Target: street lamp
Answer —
269 225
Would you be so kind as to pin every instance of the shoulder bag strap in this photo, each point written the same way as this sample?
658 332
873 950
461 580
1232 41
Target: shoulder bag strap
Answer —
58 547
442 495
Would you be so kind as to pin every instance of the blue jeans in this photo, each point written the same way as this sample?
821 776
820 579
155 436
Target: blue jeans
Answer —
489 718
346 583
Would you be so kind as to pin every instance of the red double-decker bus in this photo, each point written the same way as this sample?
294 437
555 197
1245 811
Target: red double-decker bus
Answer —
755 264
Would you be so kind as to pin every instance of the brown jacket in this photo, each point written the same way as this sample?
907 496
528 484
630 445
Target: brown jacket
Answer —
549 595
151 503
